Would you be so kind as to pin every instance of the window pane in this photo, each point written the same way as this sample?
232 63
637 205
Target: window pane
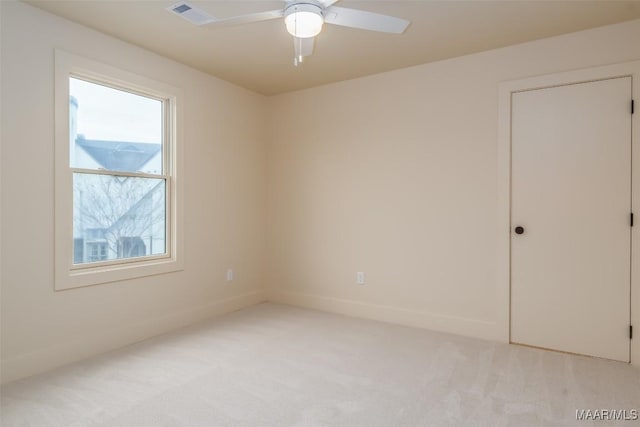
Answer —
117 217
114 129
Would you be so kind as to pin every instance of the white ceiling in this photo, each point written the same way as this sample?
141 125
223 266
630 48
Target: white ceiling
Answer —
259 56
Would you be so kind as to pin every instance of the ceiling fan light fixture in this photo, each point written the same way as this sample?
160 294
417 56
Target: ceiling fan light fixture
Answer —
303 20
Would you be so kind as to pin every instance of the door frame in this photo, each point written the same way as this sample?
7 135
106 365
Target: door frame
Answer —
505 91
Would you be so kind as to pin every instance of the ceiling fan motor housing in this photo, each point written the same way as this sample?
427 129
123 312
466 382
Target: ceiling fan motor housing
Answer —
304 19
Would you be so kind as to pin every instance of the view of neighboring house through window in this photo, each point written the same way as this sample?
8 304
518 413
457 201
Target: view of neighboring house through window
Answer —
119 173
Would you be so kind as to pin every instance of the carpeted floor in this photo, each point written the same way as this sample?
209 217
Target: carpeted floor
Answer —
276 365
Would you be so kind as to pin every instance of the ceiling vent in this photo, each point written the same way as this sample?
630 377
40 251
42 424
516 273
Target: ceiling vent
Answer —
191 13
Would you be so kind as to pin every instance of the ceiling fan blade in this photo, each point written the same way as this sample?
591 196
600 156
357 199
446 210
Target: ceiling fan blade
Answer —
364 20
303 46
327 3
245 19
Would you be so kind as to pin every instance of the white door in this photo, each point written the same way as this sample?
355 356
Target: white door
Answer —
571 194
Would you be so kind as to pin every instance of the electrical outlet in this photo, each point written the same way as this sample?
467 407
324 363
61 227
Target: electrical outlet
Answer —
360 278
229 275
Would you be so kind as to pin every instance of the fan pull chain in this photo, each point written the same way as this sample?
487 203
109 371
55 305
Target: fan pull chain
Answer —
300 58
297 60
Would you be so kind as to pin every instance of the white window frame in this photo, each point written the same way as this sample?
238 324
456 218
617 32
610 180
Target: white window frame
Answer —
67 274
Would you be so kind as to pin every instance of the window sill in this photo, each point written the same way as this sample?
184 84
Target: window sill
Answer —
90 276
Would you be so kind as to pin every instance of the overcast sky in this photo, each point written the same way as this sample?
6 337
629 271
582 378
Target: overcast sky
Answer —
110 114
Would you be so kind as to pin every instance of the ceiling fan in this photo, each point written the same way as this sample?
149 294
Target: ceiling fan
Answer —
303 20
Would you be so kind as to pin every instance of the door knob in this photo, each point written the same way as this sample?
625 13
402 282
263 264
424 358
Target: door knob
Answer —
519 230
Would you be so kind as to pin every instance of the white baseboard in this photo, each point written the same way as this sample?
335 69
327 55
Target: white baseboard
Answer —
102 341
421 319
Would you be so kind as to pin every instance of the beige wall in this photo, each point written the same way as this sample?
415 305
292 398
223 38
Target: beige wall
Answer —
396 175
224 207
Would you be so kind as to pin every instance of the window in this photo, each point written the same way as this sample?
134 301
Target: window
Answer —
97 251
120 183
117 192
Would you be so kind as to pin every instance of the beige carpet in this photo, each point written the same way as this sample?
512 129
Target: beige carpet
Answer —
275 365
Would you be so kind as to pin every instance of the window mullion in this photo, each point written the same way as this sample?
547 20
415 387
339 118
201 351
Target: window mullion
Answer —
118 173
